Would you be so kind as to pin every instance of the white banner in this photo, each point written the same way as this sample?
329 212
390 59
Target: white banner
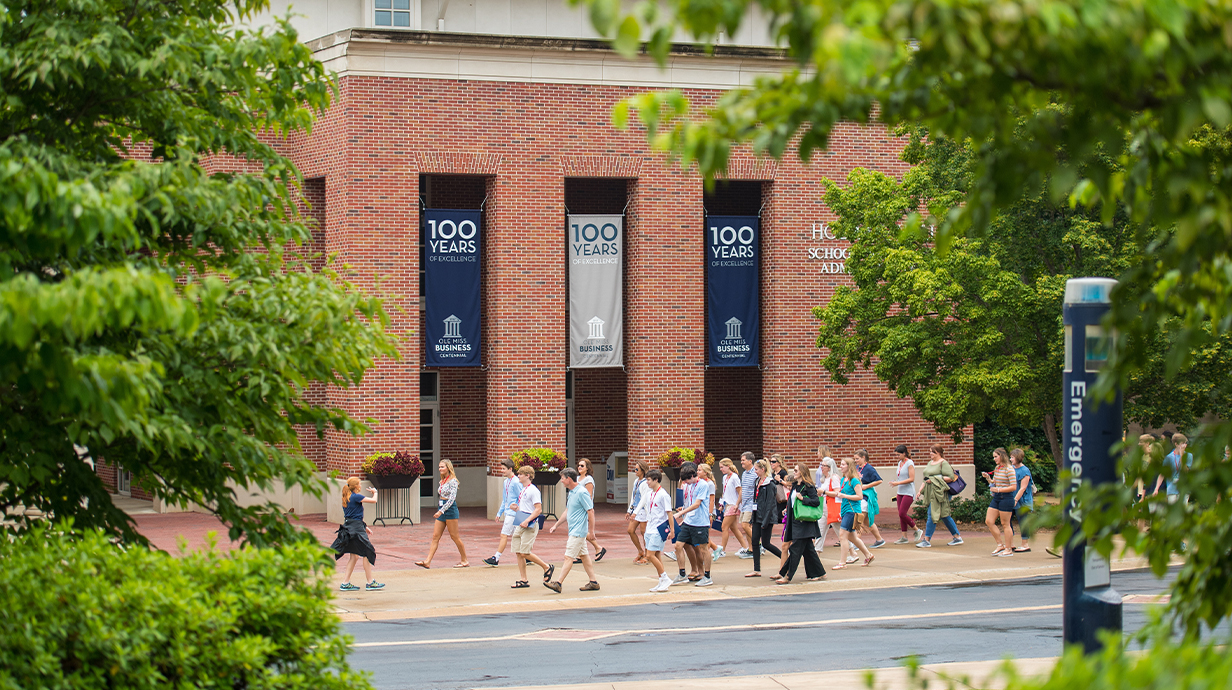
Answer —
596 290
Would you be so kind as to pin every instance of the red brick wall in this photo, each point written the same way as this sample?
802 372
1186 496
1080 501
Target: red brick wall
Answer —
107 473
527 139
371 221
464 406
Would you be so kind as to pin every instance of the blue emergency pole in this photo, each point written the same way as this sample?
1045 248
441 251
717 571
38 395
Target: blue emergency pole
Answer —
1089 432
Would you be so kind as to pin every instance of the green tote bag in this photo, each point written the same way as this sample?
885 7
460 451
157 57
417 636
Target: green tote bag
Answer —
803 513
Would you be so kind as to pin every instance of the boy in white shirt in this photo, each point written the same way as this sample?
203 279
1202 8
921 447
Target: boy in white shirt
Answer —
658 504
526 527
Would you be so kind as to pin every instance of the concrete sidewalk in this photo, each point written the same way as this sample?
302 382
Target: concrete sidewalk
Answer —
412 592
976 674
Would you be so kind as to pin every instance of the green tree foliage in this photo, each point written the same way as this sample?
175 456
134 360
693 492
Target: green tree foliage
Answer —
78 612
152 309
974 333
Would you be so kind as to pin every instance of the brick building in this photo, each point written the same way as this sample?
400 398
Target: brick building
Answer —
504 106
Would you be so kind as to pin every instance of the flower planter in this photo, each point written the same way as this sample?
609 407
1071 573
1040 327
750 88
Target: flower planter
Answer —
672 473
543 478
393 481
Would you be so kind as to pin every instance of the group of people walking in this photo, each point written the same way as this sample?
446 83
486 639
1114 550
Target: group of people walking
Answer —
756 500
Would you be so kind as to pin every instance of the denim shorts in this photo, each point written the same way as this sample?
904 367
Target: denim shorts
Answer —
1003 502
849 522
451 514
653 541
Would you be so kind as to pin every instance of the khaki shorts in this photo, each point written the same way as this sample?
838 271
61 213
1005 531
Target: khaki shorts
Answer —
524 538
746 517
576 546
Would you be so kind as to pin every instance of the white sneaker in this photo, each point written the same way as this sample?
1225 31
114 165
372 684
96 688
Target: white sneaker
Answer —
955 541
665 581
919 534
704 582
671 555
680 580
744 554
717 554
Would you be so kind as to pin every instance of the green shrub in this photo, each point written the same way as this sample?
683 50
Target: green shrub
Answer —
1043 469
78 611
961 509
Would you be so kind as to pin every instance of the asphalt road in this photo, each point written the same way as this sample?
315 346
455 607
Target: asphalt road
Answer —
805 632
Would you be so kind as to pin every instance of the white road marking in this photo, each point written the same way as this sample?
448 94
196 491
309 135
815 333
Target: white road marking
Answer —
560 634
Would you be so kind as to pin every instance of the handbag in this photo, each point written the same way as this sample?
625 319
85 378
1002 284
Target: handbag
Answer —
806 513
716 520
780 492
956 486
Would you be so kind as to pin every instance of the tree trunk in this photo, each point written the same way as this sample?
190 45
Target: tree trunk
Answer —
1054 441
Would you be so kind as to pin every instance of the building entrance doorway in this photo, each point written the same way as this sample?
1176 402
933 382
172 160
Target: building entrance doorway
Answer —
429 430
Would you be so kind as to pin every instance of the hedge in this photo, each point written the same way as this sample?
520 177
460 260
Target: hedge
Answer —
78 611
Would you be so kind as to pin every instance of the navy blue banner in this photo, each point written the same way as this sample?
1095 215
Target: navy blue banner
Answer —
451 277
733 290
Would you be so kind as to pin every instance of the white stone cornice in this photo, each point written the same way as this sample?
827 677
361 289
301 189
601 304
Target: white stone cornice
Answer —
546 61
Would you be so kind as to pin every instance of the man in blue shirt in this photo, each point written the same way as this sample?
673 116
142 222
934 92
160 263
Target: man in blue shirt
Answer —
580 516
695 532
748 484
1173 461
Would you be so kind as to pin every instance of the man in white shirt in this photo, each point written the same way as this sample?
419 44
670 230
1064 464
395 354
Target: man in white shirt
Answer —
526 527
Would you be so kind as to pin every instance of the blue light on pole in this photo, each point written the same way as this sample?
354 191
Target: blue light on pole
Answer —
1089 433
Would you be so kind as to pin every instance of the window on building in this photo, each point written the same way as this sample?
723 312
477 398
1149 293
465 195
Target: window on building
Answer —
396 13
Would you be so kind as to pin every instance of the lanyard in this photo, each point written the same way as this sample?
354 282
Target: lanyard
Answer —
522 493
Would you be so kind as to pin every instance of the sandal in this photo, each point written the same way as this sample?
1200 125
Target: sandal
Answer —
463 564
753 575
423 565
601 554
781 581
641 560
1023 549
547 574
998 550
520 584
840 566
867 561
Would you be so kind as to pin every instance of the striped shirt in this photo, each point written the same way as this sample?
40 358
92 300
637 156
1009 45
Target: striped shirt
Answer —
748 483
1003 478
